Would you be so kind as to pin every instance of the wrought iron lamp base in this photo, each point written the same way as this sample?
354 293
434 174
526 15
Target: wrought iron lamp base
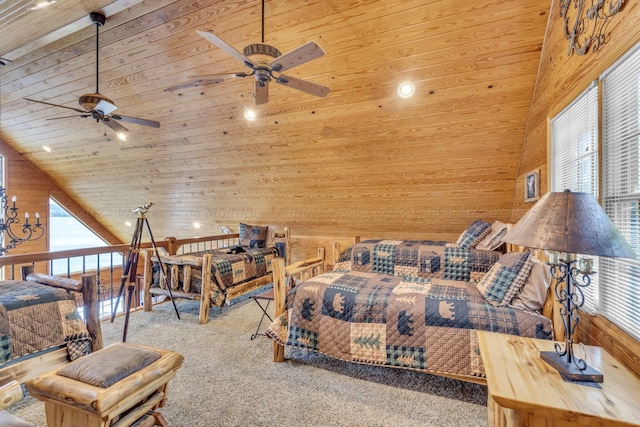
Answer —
569 371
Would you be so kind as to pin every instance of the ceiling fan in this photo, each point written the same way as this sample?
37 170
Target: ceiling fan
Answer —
97 106
263 72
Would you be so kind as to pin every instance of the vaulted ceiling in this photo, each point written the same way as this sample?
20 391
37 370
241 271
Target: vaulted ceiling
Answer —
360 161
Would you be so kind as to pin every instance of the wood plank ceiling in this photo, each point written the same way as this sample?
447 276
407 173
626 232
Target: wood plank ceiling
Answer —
360 161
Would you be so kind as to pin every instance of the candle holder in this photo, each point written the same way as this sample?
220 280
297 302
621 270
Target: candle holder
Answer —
12 230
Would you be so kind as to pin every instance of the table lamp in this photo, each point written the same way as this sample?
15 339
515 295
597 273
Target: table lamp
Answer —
568 224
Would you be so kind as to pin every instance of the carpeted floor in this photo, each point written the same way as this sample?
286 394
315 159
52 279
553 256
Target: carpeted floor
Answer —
229 380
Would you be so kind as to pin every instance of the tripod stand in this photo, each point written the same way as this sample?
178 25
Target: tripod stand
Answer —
129 272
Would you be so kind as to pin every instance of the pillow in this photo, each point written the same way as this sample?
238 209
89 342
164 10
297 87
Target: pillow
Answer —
505 278
253 236
494 239
473 234
534 292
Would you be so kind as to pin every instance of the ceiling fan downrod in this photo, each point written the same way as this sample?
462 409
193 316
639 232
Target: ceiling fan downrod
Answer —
98 19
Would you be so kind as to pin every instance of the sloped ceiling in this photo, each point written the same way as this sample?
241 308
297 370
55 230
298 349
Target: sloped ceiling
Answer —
360 161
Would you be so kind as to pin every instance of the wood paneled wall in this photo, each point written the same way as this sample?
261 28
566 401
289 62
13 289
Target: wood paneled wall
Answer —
560 79
33 189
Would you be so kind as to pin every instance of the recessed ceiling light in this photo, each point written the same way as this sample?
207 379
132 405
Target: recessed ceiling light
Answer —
43 4
249 114
406 89
122 136
196 225
127 223
46 148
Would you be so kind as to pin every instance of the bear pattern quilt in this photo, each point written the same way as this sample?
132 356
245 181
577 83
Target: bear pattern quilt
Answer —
418 258
426 324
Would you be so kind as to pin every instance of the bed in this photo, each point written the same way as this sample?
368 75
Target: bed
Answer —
226 272
41 328
413 304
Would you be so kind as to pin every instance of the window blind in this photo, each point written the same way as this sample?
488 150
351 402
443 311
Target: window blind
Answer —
574 159
620 278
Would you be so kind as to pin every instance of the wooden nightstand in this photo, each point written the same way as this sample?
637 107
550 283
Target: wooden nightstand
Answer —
525 391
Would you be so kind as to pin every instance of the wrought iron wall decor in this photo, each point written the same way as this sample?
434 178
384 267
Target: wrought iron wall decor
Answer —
12 230
584 27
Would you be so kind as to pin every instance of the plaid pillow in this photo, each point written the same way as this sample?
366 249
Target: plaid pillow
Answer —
474 234
252 236
501 284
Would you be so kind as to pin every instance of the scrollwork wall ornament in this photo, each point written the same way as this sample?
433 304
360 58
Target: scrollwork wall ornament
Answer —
584 27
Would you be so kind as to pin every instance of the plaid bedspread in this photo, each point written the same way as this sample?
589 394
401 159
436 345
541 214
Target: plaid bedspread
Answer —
422 324
418 259
227 270
36 317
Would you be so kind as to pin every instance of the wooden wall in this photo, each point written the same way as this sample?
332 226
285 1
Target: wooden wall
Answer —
560 79
33 189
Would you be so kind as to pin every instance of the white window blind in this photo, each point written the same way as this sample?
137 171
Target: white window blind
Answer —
620 278
574 159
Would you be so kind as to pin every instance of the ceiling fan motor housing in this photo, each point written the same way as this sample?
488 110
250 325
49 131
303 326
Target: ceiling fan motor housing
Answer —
90 100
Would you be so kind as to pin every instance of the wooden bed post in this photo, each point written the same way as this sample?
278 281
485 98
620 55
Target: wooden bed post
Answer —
146 280
90 308
205 291
280 296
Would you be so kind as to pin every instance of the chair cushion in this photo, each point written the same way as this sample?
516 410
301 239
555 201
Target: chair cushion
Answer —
109 365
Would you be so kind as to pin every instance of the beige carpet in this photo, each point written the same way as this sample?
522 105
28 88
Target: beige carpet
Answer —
229 380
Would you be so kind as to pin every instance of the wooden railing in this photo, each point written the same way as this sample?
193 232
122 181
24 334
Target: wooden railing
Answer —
106 263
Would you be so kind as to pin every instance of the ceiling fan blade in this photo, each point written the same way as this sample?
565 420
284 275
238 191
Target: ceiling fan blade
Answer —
261 93
69 117
56 105
105 107
220 76
136 120
303 85
297 56
114 125
227 48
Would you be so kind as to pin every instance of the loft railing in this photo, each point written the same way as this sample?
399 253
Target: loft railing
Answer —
107 263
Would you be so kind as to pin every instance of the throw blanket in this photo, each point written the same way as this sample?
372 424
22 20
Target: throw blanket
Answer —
418 259
422 324
227 270
36 317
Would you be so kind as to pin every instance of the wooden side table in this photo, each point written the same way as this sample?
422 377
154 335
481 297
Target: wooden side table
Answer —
525 391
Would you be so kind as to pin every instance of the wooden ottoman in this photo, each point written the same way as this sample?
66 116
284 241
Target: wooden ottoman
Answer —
116 386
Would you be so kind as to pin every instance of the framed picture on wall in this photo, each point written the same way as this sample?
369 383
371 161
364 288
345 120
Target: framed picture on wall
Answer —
532 186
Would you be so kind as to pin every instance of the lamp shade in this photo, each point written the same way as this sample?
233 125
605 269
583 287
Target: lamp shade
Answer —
569 222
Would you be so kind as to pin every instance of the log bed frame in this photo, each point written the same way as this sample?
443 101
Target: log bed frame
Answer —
14 373
311 267
201 266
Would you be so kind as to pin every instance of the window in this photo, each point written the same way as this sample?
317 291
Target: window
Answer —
66 232
620 298
574 159
615 289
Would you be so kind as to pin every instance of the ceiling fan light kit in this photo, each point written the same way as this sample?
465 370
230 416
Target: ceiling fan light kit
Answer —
97 106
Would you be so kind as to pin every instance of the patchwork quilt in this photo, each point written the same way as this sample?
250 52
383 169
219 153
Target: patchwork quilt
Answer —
426 324
227 270
36 317
418 259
